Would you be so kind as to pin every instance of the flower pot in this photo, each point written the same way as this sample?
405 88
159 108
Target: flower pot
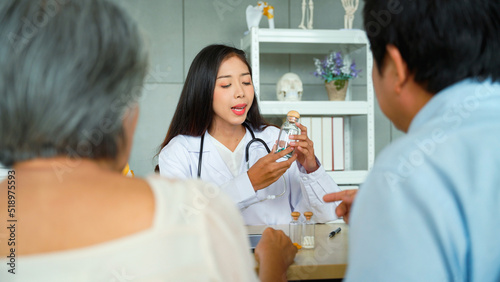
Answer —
336 89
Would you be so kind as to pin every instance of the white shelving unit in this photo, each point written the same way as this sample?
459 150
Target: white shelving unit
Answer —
298 41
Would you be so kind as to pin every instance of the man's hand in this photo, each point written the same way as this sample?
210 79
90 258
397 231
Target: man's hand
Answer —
274 252
347 198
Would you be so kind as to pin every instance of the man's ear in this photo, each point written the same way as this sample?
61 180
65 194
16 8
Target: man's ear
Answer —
400 67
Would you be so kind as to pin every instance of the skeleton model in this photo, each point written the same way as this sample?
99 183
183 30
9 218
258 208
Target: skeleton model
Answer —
311 9
289 87
268 11
350 7
254 14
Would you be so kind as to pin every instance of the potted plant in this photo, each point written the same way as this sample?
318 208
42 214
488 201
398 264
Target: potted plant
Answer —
336 72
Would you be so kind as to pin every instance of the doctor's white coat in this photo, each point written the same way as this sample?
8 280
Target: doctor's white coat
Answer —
304 192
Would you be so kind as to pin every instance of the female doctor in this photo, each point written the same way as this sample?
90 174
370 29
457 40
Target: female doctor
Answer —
216 117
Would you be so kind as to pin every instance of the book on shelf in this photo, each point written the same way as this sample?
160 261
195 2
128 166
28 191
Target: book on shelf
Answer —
317 137
327 135
327 143
306 121
338 143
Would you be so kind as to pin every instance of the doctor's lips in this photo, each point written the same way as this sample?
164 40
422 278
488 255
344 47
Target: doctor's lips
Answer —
239 109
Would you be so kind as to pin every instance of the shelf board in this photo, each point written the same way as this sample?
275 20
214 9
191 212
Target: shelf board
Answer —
348 176
313 108
314 42
311 41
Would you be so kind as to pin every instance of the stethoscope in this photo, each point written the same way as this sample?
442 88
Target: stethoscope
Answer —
200 159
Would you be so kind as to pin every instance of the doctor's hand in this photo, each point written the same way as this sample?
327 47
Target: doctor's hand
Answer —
266 170
344 208
274 253
304 149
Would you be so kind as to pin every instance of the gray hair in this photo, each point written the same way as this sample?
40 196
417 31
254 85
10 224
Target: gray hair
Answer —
69 71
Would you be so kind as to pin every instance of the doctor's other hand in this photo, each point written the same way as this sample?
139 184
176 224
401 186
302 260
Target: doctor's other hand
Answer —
274 253
305 149
266 170
344 208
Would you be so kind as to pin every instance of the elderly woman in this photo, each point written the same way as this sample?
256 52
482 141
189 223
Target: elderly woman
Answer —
70 75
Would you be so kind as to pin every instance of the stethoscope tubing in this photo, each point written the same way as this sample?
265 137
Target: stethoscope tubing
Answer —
200 159
202 141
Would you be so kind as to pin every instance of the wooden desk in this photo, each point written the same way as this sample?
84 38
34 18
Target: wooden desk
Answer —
326 261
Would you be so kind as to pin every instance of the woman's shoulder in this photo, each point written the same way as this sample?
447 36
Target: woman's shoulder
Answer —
197 208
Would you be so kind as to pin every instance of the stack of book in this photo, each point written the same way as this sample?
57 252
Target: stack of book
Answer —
327 134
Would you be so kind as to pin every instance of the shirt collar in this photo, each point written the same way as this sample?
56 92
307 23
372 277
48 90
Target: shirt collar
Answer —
460 95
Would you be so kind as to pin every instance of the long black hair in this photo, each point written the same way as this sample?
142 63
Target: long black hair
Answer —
194 112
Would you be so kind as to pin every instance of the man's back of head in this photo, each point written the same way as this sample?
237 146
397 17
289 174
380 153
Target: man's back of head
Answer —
441 41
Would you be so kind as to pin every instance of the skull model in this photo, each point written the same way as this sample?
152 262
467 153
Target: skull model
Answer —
289 87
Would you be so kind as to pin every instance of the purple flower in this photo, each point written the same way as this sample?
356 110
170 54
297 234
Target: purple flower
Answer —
338 59
354 72
334 67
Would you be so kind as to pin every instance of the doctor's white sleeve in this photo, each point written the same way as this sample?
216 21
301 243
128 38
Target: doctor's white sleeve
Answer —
308 191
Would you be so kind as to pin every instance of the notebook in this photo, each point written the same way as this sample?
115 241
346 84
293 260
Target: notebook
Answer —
254 240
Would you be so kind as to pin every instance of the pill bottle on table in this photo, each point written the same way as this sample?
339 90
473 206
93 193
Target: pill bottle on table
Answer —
308 231
295 233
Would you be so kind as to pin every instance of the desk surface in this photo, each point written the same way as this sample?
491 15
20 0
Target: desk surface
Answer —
327 260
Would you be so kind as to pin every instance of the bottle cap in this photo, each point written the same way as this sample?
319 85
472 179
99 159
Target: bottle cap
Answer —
295 215
308 214
293 114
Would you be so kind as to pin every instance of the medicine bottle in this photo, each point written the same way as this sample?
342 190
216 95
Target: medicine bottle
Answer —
308 231
295 229
288 128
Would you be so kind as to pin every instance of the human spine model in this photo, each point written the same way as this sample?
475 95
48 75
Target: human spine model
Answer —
350 7
311 9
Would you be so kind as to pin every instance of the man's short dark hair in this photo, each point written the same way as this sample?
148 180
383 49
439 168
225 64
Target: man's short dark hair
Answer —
442 41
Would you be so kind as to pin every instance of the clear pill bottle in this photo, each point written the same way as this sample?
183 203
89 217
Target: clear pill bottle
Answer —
308 231
288 128
295 229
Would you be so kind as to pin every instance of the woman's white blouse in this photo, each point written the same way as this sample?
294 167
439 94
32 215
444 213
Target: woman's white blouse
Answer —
197 235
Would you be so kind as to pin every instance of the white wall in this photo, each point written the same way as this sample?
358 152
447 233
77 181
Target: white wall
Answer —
177 30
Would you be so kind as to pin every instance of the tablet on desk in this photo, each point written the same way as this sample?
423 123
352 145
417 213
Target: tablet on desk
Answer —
254 240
